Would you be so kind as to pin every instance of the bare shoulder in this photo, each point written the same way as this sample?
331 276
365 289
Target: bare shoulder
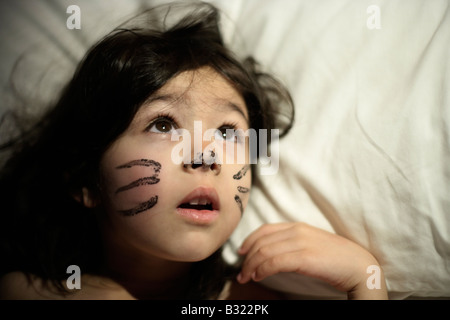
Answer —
19 286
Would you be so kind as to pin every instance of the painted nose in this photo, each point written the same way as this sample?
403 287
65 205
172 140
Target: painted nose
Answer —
200 163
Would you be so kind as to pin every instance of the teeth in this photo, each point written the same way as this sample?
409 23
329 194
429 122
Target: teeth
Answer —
193 202
201 201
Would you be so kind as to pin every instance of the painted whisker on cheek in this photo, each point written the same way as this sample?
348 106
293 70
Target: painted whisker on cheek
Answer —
144 206
241 172
239 202
141 207
142 162
238 176
243 189
139 182
142 181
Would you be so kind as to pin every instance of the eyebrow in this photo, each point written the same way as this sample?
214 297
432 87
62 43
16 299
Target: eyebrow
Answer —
231 106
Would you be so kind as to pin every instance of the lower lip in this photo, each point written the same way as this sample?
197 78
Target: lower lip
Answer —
199 217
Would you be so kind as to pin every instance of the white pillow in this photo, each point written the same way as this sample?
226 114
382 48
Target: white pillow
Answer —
369 155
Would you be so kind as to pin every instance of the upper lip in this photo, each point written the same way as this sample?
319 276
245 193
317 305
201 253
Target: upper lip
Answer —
202 196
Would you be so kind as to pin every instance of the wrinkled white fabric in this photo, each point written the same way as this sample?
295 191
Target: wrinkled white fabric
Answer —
369 155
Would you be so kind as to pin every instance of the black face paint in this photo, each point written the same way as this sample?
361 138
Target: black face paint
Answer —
243 189
139 182
141 207
142 181
201 161
239 202
142 162
198 159
144 206
241 172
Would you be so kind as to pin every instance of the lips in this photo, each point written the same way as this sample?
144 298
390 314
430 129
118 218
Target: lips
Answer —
200 207
201 199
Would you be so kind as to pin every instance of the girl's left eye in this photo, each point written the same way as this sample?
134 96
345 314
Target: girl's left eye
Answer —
162 125
226 133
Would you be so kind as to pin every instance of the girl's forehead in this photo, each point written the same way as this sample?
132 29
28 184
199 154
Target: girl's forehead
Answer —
202 85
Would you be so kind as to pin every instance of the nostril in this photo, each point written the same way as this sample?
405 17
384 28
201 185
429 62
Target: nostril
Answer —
201 163
215 167
196 165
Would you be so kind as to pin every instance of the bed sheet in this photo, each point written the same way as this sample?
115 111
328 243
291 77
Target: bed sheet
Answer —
368 157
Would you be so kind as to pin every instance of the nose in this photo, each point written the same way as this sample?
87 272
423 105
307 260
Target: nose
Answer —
201 164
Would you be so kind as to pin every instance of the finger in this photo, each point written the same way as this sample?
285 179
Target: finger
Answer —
285 262
277 236
263 254
305 263
260 232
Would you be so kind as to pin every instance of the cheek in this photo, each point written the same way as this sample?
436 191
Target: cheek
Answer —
131 187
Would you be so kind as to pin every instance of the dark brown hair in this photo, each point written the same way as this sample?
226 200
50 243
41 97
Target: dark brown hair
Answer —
43 229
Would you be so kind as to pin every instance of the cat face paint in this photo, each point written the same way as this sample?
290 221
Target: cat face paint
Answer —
239 203
241 189
154 206
241 173
153 179
143 163
141 207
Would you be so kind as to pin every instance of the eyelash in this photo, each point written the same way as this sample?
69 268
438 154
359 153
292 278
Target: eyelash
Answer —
169 118
234 126
229 125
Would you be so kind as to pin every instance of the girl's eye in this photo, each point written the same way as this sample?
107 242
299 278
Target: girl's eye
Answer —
226 133
162 125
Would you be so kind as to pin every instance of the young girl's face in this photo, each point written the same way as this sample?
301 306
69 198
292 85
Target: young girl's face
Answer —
155 205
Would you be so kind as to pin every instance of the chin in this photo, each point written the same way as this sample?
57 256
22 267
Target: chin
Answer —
193 253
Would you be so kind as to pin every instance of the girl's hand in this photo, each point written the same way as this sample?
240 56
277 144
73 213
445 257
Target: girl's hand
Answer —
304 249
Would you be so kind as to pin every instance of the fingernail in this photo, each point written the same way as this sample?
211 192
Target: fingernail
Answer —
239 277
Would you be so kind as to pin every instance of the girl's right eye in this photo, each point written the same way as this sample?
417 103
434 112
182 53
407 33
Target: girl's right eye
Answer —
162 125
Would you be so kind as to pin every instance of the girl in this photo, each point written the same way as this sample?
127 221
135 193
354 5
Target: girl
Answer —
94 182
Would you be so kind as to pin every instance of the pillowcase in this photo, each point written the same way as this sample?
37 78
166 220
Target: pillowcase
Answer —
368 157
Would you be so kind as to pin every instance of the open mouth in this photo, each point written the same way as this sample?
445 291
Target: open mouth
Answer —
201 199
207 206
200 207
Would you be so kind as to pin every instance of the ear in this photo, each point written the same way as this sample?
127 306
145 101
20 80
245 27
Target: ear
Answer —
86 198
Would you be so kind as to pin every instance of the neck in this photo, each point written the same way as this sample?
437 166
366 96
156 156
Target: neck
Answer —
145 276
152 280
